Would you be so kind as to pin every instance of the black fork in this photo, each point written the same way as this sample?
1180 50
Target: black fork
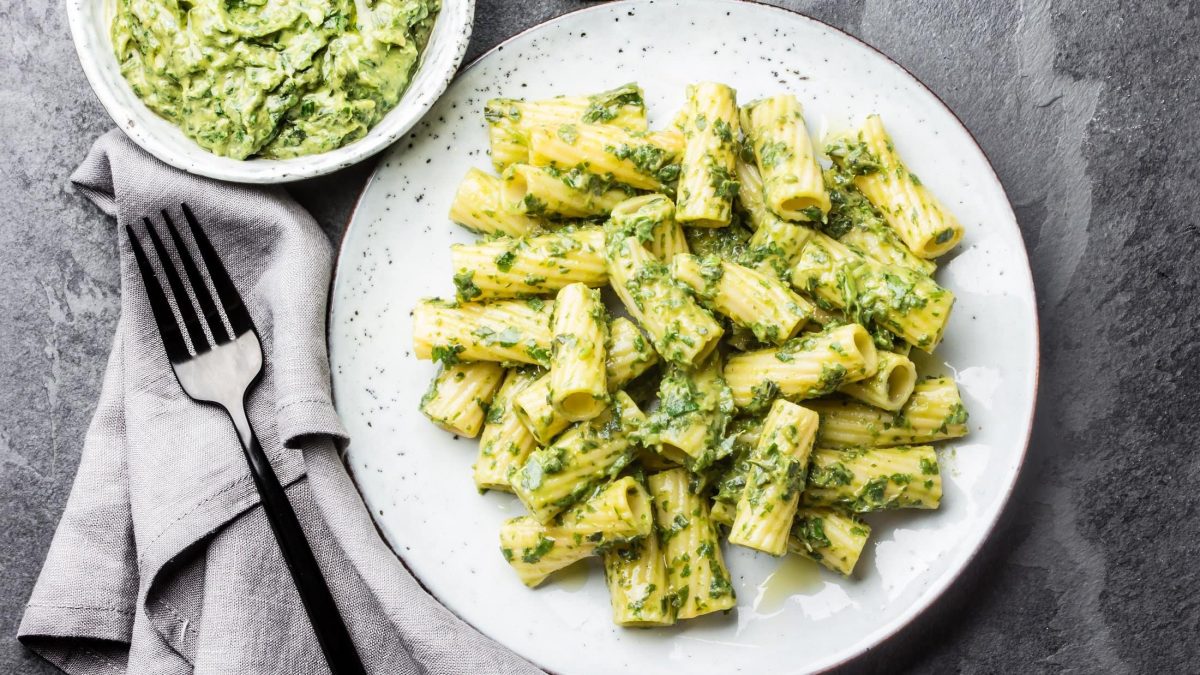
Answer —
221 372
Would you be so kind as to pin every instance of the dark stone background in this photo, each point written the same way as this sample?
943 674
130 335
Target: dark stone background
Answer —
1087 110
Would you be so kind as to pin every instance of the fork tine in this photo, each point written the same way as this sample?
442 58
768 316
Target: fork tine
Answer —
182 300
207 307
231 300
168 327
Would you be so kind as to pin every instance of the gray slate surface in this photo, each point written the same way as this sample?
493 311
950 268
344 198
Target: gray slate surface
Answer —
1087 110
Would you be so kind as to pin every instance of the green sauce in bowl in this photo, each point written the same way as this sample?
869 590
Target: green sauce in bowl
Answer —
271 78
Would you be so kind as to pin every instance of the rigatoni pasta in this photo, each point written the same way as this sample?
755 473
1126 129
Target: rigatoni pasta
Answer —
777 469
620 512
708 181
505 443
826 535
774 248
647 161
890 387
636 575
934 412
460 395
550 192
578 379
511 120
855 222
479 206
831 537
793 187
903 301
695 405
681 331
512 331
752 200
511 268
699 582
650 218
925 225
751 299
771 309
806 367
628 355
875 479
554 477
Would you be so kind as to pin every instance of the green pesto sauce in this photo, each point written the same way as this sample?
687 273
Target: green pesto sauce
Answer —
727 243
271 78
810 530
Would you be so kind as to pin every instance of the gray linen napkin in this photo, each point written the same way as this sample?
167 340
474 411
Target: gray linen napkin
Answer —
163 563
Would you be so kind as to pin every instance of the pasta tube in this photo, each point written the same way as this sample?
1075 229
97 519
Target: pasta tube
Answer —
775 247
934 412
619 512
890 386
578 381
556 476
854 222
783 152
925 225
680 330
751 299
636 575
550 192
510 120
776 243
875 479
805 367
698 581
537 413
505 442
907 303
827 317
742 438
751 197
628 356
777 469
695 406
516 331
460 394
827 536
708 180
647 161
509 268
651 218
479 207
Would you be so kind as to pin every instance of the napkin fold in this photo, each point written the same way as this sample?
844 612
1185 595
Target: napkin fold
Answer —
163 561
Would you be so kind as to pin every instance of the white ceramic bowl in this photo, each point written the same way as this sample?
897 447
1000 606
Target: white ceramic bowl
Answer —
90 20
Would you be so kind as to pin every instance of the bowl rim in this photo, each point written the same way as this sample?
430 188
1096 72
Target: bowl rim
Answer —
398 121
936 590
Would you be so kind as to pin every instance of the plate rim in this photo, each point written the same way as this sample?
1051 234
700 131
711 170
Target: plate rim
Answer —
938 588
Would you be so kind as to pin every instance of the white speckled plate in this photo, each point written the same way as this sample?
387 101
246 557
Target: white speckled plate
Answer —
791 616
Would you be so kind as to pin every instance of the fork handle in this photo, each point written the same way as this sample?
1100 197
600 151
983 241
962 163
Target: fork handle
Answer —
322 611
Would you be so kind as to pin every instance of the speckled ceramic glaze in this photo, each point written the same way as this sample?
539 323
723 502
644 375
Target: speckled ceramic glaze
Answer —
792 616
90 20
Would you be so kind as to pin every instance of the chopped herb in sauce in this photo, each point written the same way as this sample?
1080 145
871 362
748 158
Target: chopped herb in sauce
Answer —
271 79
